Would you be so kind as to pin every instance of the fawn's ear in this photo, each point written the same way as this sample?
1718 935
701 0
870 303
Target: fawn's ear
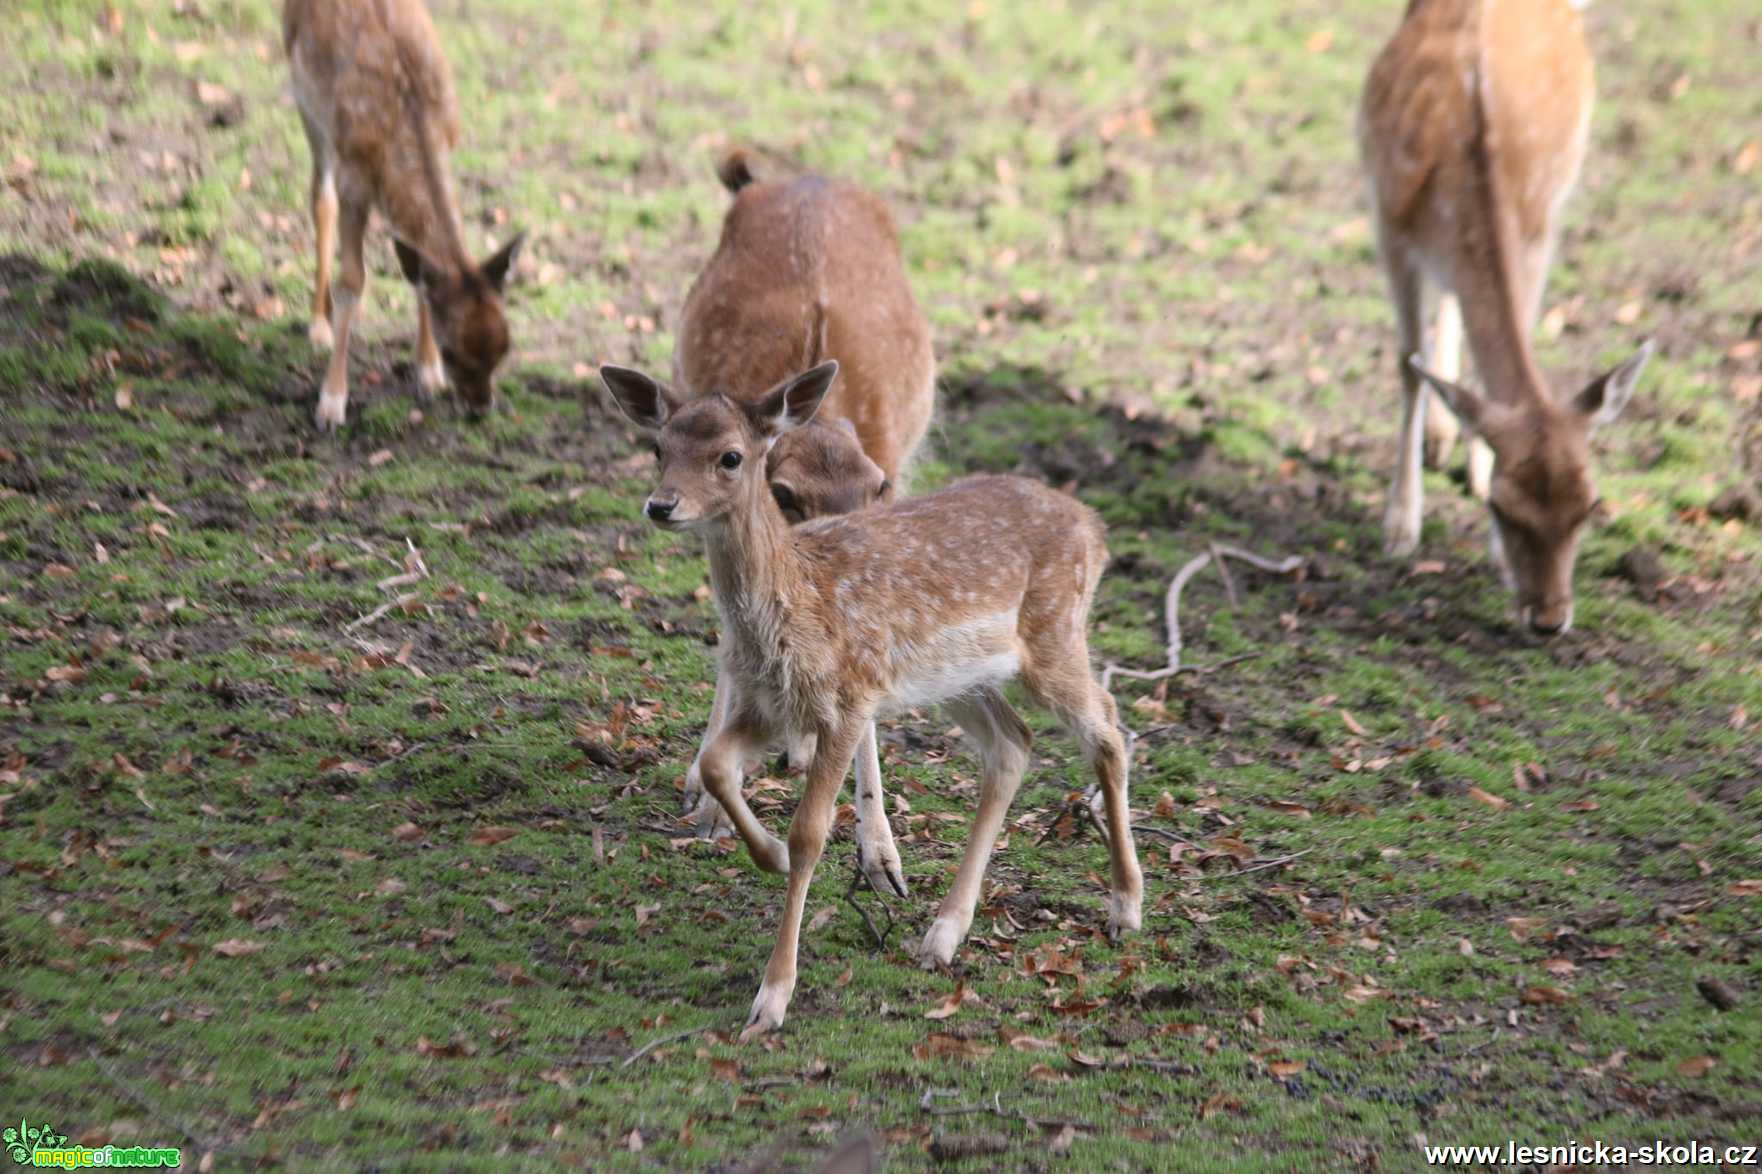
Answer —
497 268
1464 403
1605 396
418 269
793 402
647 402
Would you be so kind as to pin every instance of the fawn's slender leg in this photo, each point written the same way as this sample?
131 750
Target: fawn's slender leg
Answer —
333 396
877 854
1406 504
712 818
719 765
807 839
324 210
1003 754
1063 683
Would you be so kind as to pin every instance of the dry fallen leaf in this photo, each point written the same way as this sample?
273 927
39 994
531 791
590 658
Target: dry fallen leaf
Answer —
1522 927
237 948
1218 1103
949 1005
939 1046
1286 1068
485 836
1539 995
1696 1066
1490 799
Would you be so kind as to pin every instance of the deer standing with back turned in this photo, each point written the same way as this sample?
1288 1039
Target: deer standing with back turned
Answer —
941 598
375 95
809 269
1472 129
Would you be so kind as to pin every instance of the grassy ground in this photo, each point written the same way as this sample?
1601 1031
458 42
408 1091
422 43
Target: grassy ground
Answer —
282 885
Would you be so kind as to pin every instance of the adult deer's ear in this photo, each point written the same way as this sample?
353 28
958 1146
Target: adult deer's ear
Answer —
647 402
793 402
497 268
1464 403
1605 396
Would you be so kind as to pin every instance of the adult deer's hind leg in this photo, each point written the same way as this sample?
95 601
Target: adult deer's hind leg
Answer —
1003 741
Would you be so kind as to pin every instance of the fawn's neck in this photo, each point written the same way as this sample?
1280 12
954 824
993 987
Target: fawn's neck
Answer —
754 573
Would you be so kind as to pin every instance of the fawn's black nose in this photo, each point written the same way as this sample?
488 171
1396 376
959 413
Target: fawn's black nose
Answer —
1547 628
660 509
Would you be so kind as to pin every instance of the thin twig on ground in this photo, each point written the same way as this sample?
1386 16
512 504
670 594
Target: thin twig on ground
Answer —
150 1105
1172 607
1261 865
1142 829
380 611
672 1037
859 880
995 1108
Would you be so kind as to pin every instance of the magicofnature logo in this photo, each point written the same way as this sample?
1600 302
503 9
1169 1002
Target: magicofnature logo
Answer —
28 1138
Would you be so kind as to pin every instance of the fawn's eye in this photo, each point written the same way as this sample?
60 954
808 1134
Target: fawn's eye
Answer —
730 460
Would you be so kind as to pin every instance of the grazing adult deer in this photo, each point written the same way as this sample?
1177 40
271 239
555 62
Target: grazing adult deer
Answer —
809 269
376 98
940 598
1472 129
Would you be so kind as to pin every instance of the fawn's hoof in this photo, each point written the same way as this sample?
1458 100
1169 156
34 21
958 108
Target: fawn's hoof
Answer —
1400 537
879 862
712 818
940 943
769 1008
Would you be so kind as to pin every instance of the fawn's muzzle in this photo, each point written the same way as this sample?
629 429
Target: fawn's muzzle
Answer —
661 508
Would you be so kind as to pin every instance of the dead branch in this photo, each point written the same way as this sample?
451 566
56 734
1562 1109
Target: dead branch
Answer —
1172 606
